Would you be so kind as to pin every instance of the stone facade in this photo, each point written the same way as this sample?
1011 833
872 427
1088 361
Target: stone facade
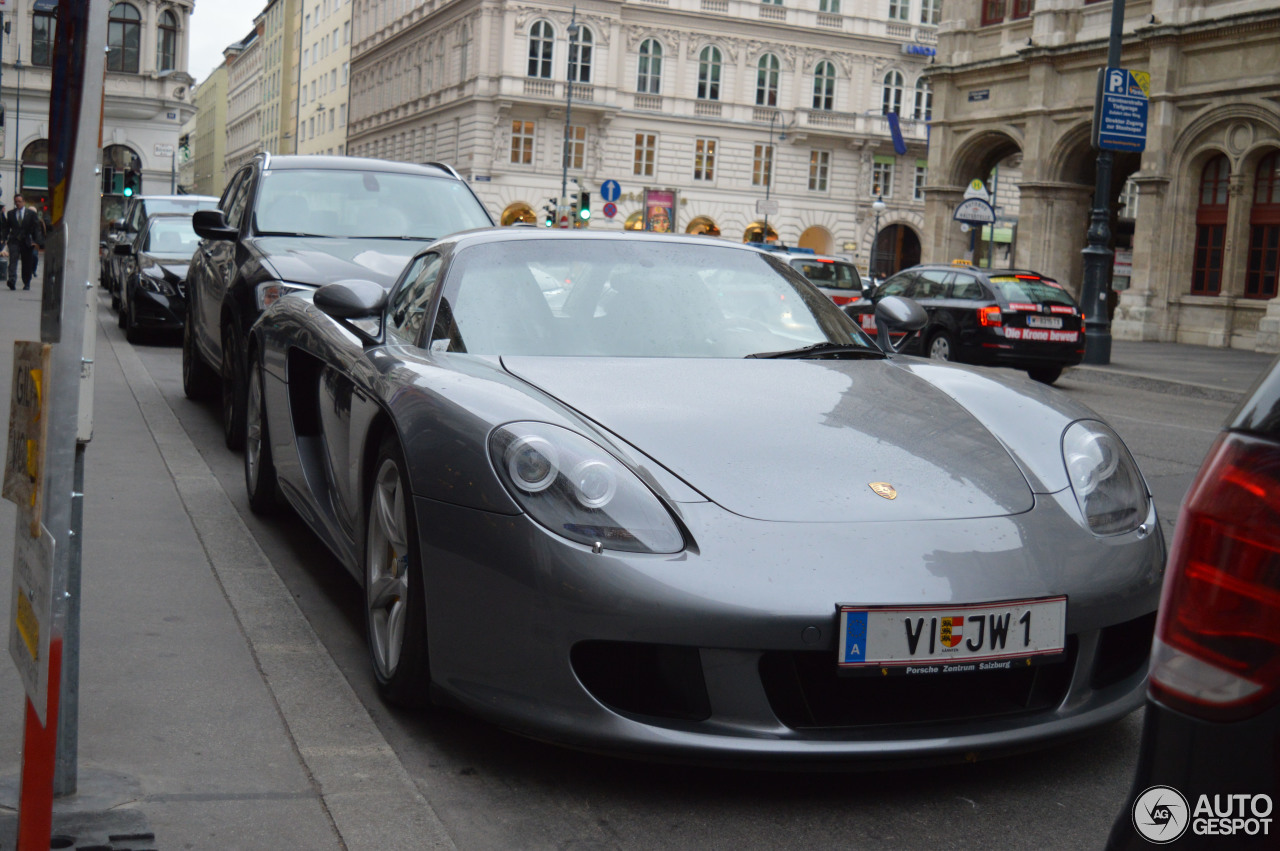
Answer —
147 97
482 86
209 153
1025 87
325 73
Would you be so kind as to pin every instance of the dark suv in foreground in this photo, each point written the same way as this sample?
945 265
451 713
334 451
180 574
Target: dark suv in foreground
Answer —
293 223
997 317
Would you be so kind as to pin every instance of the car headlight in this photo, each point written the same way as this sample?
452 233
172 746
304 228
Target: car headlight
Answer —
272 291
156 285
578 490
1104 478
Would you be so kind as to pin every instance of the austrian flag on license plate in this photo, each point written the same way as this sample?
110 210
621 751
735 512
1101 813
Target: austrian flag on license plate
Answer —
951 639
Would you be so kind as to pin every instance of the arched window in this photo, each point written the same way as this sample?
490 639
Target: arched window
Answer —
709 66
892 101
924 101
580 57
1211 227
649 70
541 37
824 86
167 45
124 37
767 70
1264 230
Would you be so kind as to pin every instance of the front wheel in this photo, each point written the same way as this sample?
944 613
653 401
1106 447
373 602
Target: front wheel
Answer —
197 377
234 394
395 606
259 466
941 347
1045 374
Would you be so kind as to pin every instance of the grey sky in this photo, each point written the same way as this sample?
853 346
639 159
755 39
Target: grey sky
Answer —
214 25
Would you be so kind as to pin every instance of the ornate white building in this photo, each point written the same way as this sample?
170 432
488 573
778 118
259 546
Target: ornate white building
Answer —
1197 213
147 97
721 103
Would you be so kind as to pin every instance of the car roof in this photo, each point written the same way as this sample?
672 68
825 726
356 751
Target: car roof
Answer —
478 236
213 198
291 162
980 271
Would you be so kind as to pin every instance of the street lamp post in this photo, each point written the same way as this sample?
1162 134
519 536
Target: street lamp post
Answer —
768 184
571 73
1097 254
878 206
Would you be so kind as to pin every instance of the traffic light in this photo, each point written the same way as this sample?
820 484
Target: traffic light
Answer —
549 213
573 209
584 206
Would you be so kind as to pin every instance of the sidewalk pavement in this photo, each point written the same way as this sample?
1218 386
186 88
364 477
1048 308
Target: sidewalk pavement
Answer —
210 714
1224 375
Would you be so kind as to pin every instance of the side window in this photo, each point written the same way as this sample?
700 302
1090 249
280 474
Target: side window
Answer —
932 284
137 216
966 287
903 285
407 311
234 211
847 277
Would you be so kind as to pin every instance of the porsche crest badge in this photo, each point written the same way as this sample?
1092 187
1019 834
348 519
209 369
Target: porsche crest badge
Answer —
884 489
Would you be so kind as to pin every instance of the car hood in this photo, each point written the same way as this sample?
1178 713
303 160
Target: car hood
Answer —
318 261
796 440
171 265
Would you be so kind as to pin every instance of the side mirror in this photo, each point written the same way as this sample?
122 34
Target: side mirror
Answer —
210 224
123 249
895 313
353 299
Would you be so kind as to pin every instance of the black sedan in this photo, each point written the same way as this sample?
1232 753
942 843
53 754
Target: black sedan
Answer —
999 317
1209 766
153 294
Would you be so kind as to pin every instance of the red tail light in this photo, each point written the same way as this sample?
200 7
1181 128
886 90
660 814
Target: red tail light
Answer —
989 316
844 299
1217 648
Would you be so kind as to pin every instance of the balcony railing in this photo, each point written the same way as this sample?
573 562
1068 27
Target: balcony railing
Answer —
834 22
540 88
707 108
719 7
649 102
773 13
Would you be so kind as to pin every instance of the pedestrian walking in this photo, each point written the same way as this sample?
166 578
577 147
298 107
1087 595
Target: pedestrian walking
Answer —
23 232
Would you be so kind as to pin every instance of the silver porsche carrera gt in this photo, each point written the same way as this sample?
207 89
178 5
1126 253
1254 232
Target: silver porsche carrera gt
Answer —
658 496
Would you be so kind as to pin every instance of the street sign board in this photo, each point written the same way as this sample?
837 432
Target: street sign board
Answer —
28 427
977 189
974 210
610 190
31 615
610 210
767 208
1120 110
164 149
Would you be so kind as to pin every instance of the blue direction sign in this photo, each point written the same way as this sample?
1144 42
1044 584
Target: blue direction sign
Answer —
1120 120
610 190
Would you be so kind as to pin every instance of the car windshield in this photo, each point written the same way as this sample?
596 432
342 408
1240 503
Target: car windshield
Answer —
171 235
1030 289
632 297
391 205
829 273
178 205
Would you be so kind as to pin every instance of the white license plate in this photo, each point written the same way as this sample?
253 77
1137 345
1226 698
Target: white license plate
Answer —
1044 321
951 639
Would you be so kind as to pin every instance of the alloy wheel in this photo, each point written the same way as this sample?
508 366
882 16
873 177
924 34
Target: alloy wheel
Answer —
387 569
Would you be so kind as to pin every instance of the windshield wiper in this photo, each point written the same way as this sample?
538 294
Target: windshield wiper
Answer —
824 349
292 233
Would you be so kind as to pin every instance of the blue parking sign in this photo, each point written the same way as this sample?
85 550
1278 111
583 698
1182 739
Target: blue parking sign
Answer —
1120 118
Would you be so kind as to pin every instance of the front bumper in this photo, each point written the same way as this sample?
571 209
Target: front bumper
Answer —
156 311
524 628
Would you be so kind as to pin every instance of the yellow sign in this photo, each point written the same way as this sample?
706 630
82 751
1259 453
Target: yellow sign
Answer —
1143 79
24 461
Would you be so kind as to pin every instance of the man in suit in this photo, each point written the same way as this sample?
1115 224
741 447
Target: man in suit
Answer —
23 232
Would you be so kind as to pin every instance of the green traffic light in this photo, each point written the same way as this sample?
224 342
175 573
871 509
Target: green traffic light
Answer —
127 191
584 214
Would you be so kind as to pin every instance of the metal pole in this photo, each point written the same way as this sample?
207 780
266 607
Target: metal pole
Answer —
173 171
768 184
1098 254
65 294
17 117
875 241
568 111
991 234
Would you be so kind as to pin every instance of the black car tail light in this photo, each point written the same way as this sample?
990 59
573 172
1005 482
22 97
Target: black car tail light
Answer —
990 316
1217 649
